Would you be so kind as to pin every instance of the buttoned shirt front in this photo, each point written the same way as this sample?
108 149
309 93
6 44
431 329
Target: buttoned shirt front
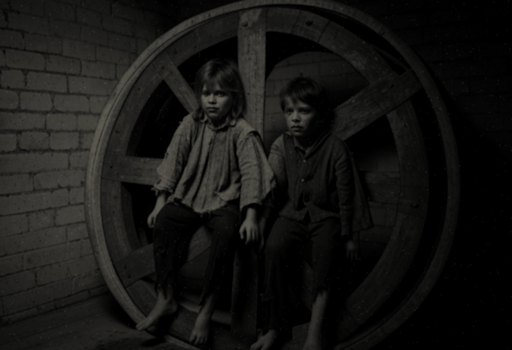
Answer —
317 182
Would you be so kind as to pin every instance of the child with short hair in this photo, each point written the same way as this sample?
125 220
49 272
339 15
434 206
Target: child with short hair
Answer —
315 202
214 173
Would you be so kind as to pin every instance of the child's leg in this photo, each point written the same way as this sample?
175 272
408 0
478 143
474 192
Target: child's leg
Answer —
201 329
314 338
165 305
326 238
174 227
223 225
284 238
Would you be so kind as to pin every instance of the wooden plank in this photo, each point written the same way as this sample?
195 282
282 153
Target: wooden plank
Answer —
129 114
207 35
182 323
136 265
414 201
251 62
332 36
136 170
309 26
388 272
113 222
281 19
175 80
354 50
410 146
244 300
371 103
382 187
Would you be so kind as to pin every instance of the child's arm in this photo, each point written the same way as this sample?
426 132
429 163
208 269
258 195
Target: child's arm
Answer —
249 231
176 157
160 202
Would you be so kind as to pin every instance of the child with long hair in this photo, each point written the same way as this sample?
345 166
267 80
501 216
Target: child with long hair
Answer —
215 173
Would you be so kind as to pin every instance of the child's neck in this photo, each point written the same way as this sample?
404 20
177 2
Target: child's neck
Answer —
308 141
218 122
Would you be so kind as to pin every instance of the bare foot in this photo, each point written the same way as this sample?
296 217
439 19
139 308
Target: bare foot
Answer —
163 306
266 341
313 343
199 335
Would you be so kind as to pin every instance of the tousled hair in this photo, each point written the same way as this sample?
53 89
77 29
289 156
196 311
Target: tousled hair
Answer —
309 91
223 72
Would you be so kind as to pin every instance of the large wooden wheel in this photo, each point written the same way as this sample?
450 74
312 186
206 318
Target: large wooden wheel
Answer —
132 135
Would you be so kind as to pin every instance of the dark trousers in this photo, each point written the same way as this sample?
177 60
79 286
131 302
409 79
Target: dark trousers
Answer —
174 227
285 239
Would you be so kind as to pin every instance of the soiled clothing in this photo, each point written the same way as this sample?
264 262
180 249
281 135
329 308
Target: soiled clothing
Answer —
286 239
174 227
212 175
206 168
319 200
317 182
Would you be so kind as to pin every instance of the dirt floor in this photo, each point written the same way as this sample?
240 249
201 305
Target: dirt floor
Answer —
96 324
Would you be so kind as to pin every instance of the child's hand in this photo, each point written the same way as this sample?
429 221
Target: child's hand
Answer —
351 250
160 203
249 231
152 218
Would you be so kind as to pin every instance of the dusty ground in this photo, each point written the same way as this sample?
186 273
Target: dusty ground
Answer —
97 324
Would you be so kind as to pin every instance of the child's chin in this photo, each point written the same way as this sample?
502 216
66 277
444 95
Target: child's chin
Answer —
297 133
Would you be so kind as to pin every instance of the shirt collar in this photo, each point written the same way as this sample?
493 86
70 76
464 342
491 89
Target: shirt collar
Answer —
314 146
228 122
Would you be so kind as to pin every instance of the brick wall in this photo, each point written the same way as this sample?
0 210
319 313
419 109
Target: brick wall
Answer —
59 61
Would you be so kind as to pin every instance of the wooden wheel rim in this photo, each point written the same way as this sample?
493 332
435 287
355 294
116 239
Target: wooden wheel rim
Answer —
250 14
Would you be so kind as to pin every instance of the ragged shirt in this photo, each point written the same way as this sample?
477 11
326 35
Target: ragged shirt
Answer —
207 167
320 182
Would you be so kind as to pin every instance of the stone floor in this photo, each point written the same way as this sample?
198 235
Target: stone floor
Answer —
96 324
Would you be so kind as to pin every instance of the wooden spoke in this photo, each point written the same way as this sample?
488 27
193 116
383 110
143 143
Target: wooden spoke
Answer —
179 86
136 170
251 62
373 102
136 265
135 102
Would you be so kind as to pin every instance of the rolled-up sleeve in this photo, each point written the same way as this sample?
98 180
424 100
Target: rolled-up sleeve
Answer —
257 177
176 156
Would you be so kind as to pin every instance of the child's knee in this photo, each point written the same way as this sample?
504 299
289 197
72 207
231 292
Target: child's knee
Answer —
276 248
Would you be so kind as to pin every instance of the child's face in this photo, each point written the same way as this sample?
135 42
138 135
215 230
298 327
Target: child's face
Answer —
216 104
302 120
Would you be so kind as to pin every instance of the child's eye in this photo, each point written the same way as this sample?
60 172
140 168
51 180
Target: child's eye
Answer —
220 93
